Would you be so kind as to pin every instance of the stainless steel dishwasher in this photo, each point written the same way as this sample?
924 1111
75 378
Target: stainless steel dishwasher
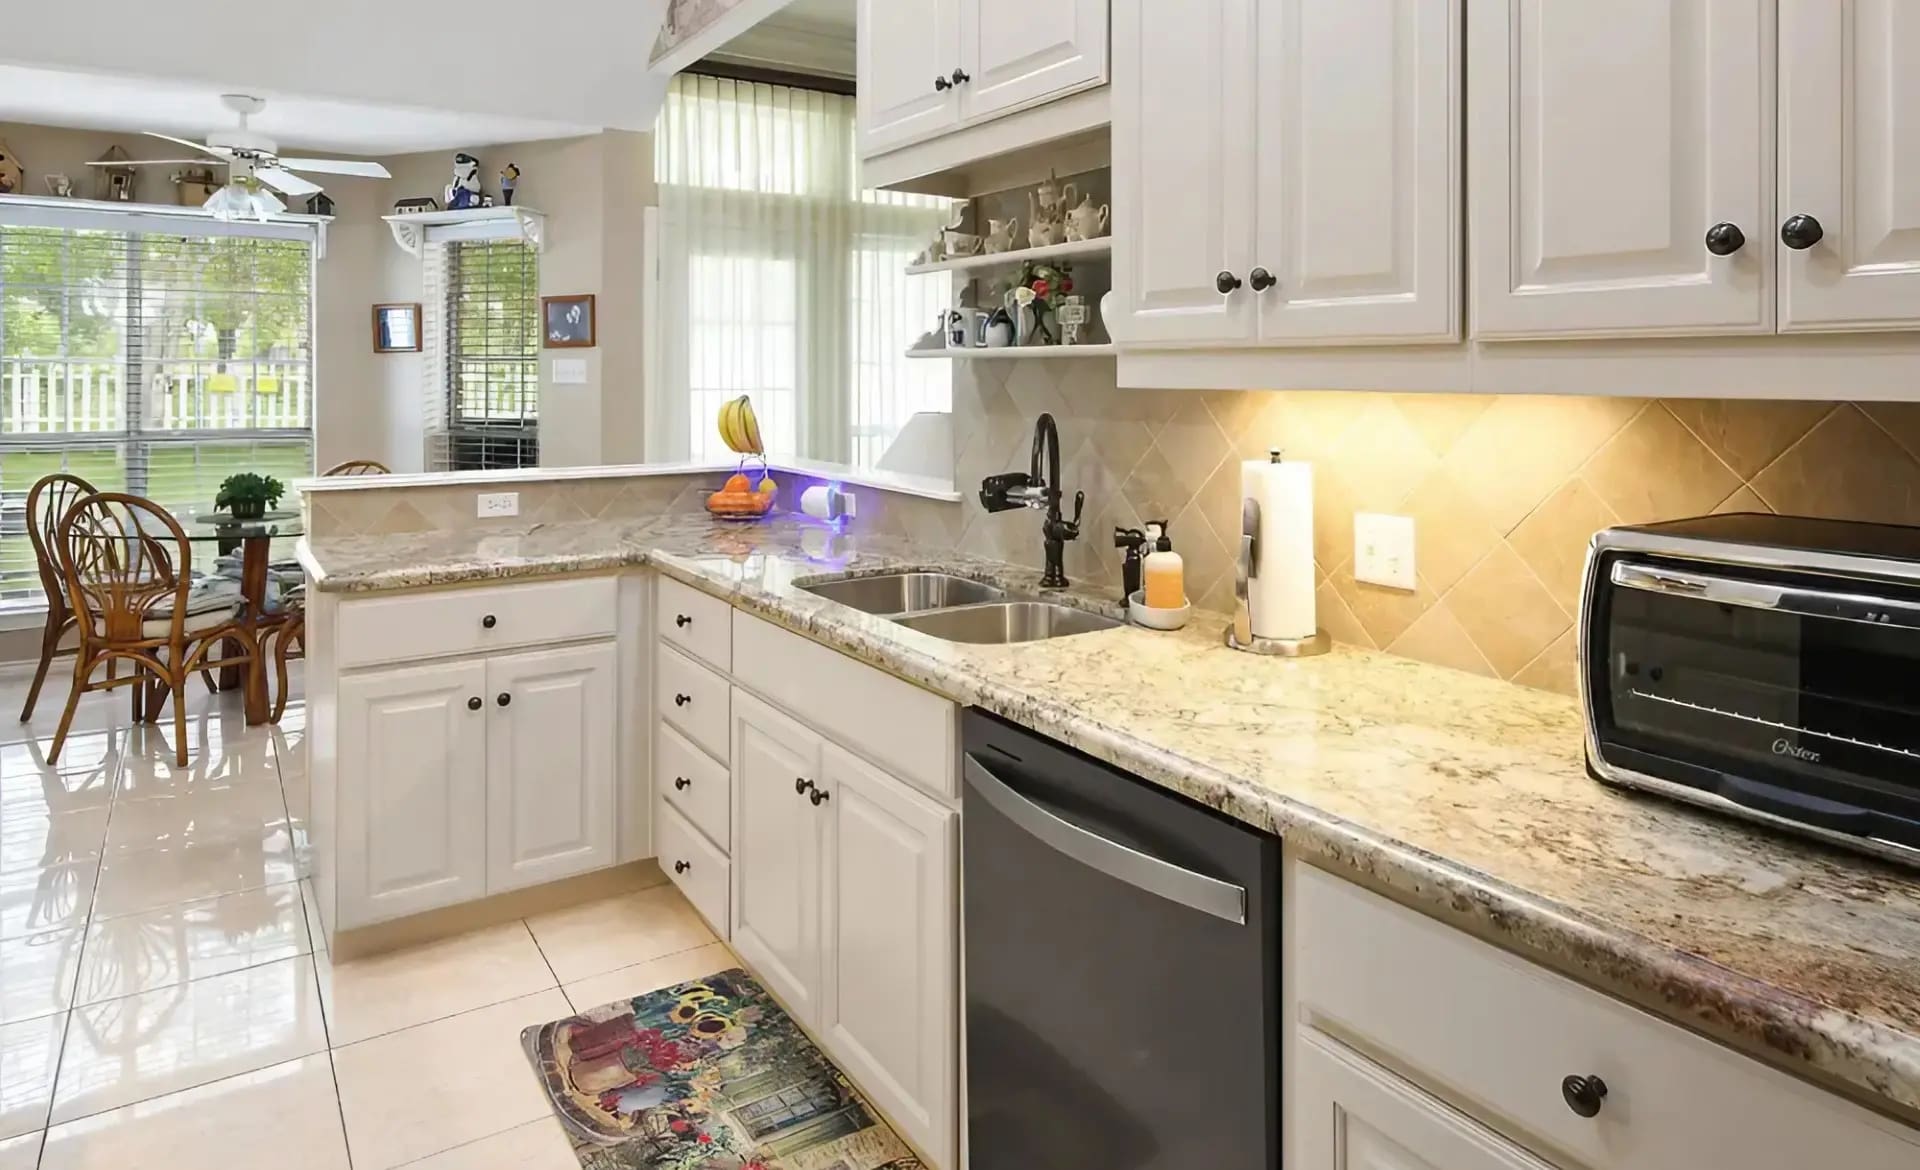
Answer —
1122 968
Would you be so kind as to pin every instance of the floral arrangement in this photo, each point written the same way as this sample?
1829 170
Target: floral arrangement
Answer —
1037 282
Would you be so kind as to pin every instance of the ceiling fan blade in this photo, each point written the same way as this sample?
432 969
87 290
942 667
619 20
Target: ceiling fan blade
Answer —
337 166
161 162
286 181
199 146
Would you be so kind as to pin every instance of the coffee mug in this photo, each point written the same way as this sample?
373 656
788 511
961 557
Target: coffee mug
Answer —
966 328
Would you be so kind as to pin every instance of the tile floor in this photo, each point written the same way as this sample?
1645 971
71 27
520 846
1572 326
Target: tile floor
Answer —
166 998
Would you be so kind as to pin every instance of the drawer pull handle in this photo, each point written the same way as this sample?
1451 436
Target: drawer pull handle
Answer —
819 796
503 698
489 621
682 783
801 784
1584 1094
682 700
473 704
682 620
682 866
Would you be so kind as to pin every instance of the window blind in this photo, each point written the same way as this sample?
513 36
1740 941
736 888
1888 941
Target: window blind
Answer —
156 362
484 355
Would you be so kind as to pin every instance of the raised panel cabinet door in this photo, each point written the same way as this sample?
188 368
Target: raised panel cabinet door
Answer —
1346 1113
1359 124
1013 52
1183 171
1620 167
777 835
1850 163
413 790
550 773
907 54
892 925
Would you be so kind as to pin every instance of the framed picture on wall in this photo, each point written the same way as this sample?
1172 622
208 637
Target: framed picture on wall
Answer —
396 328
566 322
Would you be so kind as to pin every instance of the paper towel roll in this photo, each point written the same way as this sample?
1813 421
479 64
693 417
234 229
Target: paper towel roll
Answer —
1280 585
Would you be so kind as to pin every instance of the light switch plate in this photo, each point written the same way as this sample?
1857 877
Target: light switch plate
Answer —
1383 550
497 504
569 371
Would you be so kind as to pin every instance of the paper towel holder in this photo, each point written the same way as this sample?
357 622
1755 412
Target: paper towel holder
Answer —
1240 632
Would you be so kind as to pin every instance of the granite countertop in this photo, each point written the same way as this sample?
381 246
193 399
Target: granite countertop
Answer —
1464 797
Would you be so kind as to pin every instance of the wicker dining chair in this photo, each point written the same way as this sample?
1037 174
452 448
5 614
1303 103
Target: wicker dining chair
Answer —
126 566
358 467
48 501
285 640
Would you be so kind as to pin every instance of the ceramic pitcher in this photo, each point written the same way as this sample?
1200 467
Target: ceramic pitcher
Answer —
1001 233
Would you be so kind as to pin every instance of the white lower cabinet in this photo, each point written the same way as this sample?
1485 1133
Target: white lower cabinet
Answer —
1348 1113
888 996
550 773
472 777
777 835
412 821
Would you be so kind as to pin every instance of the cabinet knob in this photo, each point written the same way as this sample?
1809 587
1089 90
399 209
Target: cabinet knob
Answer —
1262 280
819 796
682 700
1226 282
1724 239
682 620
489 621
682 866
473 704
942 84
503 698
1801 232
961 75
682 783
801 784
1584 1094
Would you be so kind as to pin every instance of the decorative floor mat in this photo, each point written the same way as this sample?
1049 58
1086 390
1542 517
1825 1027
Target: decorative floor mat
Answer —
707 1075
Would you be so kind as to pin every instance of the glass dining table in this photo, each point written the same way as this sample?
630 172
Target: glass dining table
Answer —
254 539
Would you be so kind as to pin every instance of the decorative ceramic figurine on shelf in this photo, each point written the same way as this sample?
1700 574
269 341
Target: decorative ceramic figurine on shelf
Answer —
464 191
12 178
1087 222
1001 234
58 186
509 179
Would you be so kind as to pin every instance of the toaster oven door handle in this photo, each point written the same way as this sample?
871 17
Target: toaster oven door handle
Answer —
1790 599
1796 806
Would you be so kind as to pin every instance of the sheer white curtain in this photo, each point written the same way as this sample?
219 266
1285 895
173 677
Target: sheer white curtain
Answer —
779 278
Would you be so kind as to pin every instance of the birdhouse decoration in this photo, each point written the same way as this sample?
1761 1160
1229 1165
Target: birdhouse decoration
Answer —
12 178
319 204
464 191
509 179
114 176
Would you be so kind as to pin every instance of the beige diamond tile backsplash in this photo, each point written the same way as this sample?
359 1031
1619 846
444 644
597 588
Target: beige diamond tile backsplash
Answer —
1504 490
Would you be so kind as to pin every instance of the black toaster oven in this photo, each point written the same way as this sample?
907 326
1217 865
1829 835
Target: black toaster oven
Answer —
1763 665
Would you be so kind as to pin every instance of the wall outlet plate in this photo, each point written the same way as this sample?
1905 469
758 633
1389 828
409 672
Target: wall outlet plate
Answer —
569 371
1383 550
496 504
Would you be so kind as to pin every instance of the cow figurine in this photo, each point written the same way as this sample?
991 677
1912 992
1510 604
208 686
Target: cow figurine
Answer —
464 191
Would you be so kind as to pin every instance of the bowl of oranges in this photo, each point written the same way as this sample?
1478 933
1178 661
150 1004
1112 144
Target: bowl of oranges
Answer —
740 498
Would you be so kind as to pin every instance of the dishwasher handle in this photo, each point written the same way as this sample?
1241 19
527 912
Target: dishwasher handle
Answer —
1196 891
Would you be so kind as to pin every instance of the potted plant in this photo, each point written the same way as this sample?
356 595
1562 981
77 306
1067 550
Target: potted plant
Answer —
248 496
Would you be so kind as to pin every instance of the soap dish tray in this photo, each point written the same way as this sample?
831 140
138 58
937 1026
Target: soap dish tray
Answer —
1143 614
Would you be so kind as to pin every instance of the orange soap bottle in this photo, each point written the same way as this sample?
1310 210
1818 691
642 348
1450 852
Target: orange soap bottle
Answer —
1164 574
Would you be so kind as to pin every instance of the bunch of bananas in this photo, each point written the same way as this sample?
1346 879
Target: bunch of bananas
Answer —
739 428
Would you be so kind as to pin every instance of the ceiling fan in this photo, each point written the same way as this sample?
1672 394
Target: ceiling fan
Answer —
254 164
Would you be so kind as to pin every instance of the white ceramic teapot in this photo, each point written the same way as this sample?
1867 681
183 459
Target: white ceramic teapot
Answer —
1087 222
1042 234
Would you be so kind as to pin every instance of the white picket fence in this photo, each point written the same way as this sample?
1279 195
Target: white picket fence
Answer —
72 397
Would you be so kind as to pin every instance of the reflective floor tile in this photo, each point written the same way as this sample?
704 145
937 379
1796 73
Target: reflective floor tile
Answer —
31 837
537 1145
147 879
29 1054
37 973
618 932
20 1153
652 975
386 992
192 940
33 901
196 816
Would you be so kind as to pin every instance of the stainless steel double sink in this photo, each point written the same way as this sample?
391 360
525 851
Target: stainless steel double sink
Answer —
958 609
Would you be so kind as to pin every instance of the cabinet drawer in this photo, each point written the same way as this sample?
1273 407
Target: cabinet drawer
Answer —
695 622
1499 1034
693 864
468 621
695 700
908 731
694 783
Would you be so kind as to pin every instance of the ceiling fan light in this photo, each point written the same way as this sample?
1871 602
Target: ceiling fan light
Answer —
236 201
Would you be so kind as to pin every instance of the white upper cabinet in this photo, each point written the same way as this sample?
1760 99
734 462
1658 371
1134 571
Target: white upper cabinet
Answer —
1621 167
1358 130
908 51
1183 170
550 773
1850 164
1014 51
